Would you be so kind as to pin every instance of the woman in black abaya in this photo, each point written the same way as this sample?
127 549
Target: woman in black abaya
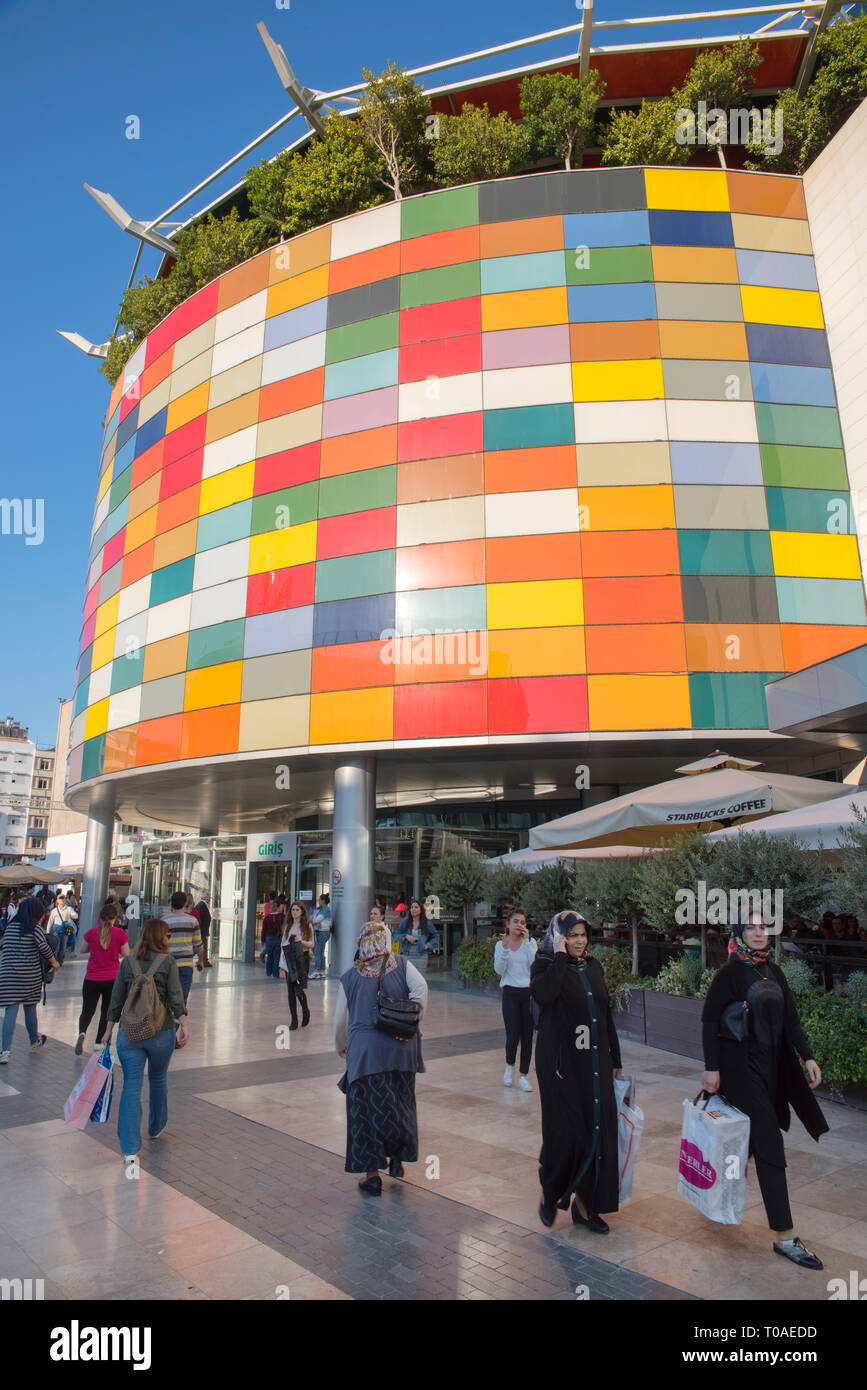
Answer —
752 1038
577 1058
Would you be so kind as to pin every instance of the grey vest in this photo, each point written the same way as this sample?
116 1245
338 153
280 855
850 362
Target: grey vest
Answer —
367 1049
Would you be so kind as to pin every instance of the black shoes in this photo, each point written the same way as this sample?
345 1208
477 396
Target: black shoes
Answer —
591 1221
293 1025
796 1251
305 1016
372 1186
395 1168
547 1215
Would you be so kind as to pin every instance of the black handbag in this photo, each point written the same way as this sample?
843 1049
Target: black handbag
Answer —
735 1021
399 1018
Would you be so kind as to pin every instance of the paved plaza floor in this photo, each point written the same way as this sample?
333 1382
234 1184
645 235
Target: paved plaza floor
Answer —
244 1195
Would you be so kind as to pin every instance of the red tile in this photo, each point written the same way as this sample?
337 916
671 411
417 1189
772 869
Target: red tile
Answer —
650 599
181 475
356 533
184 440
443 357
538 704
438 438
113 550
454 710
449 320
287 468
276 589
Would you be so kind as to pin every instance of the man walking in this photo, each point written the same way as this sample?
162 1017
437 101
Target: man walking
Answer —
185 940
321 931
62 921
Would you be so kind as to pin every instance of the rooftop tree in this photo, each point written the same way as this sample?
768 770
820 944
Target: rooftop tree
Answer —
392 111
559 113
476 145
330 178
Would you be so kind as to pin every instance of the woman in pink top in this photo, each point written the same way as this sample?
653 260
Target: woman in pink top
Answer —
105 944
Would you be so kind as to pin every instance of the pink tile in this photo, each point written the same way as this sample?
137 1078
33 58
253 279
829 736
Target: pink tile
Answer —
526 347
366 411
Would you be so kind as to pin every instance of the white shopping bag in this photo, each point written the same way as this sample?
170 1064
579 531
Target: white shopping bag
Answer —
714 1147
630 1123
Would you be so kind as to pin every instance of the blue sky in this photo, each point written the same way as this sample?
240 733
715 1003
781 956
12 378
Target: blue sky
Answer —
201 83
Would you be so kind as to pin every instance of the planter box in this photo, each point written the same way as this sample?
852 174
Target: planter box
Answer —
853 1096
479 986
630 1022
673 1023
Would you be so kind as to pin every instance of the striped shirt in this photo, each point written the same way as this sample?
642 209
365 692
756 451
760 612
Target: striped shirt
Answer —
185 937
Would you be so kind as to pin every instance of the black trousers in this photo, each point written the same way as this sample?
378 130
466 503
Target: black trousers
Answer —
296 992
95 992
775 1194
518 1018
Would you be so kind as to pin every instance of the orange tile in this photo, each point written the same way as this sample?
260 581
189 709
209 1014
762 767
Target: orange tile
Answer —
159 740
245 280
804 644
142 498
690 338
165 658
207 732
510 558
651 647
141 529
444 565
769 195
638 702
352 716
536 651
363 268
614 342
120 749
210 686
348 453
299 254
428 480
178 509
137 564
516 470
148 463
114 398
291 393
627 508
439 248
648 599
521 236
352 666
734 647
233 416
705 265
437 658
628 552
176 544
157 371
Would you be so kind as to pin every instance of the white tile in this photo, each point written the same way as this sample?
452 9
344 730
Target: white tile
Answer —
189 375
516 386
220 604
223 563
101 511
100 683
229 452
169 619
124 707
452 519
239 348
365 230
133 598
610 422
733 421
531 513
134 366
241 315
293 358
131 635
440 395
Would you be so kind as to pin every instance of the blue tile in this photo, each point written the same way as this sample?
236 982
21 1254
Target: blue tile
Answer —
295 324
801 347
152 430
127 427
535 271
838 601
289 630
353 620
606 229
226 525
789 385
117 519
691 229
721 463
776 269
610 303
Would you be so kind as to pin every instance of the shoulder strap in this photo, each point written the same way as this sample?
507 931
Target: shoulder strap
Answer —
156 963
134 966
381 977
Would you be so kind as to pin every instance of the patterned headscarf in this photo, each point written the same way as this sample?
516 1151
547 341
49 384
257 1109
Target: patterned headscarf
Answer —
742 951
374 942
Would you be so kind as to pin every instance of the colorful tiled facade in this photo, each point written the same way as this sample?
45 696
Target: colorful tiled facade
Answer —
584 423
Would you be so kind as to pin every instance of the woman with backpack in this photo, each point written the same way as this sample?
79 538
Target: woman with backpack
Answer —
146 999
105 944
24 963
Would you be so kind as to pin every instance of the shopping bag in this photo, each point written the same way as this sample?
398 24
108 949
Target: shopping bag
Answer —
714 1147
102 1109
630 1123
88 1089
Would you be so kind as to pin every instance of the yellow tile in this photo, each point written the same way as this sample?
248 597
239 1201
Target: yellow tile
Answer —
626 508
352 716
617 381
187 407
639 702
297 290
97 719
106 615
275 550
141 529
103 649
688 190
213 685
812 555
536 652
524 309
280 723
224 489
772 233
106 480
793 308
535 603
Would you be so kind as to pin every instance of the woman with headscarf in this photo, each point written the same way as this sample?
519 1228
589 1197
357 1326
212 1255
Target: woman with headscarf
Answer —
379 1081
752 1038
24 943
577 1058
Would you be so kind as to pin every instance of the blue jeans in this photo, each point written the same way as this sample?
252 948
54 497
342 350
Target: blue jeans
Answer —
186 976
157 1052
272 955
61 948
319 954
9 1018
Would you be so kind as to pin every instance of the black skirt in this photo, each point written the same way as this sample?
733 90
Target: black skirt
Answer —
381 1121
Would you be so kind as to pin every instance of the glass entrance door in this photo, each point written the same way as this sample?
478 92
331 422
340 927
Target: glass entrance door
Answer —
230 920
314 874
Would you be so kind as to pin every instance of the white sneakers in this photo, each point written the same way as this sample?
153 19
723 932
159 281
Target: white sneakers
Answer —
4 1058
40 1042
508 1076
523 1084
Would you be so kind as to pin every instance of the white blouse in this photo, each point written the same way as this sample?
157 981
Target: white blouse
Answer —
514 966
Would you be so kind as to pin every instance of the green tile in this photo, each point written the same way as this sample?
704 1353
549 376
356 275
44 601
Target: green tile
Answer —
438 286
526 427
820 600
360 339
289 506
798 424
609 265
81 697
355 576
810 509
441 610
172 581
371 372
93 757
128 670
729 700
439 212
358 492
210 646
224 526
725 552
119 489
792 465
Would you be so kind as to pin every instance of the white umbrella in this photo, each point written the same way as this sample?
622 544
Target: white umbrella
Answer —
729 793
532 859
817 827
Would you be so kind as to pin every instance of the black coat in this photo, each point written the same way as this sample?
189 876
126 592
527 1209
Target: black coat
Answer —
748 1077
576 1084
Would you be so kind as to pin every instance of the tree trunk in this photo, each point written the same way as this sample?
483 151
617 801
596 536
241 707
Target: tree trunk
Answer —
703 946
467 927
635 945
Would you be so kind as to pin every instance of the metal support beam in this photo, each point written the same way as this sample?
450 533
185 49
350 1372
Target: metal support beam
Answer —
307 100
84 345
129 224
809 60
97 863
584 47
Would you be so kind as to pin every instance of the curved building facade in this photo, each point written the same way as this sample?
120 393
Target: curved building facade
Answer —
540 460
